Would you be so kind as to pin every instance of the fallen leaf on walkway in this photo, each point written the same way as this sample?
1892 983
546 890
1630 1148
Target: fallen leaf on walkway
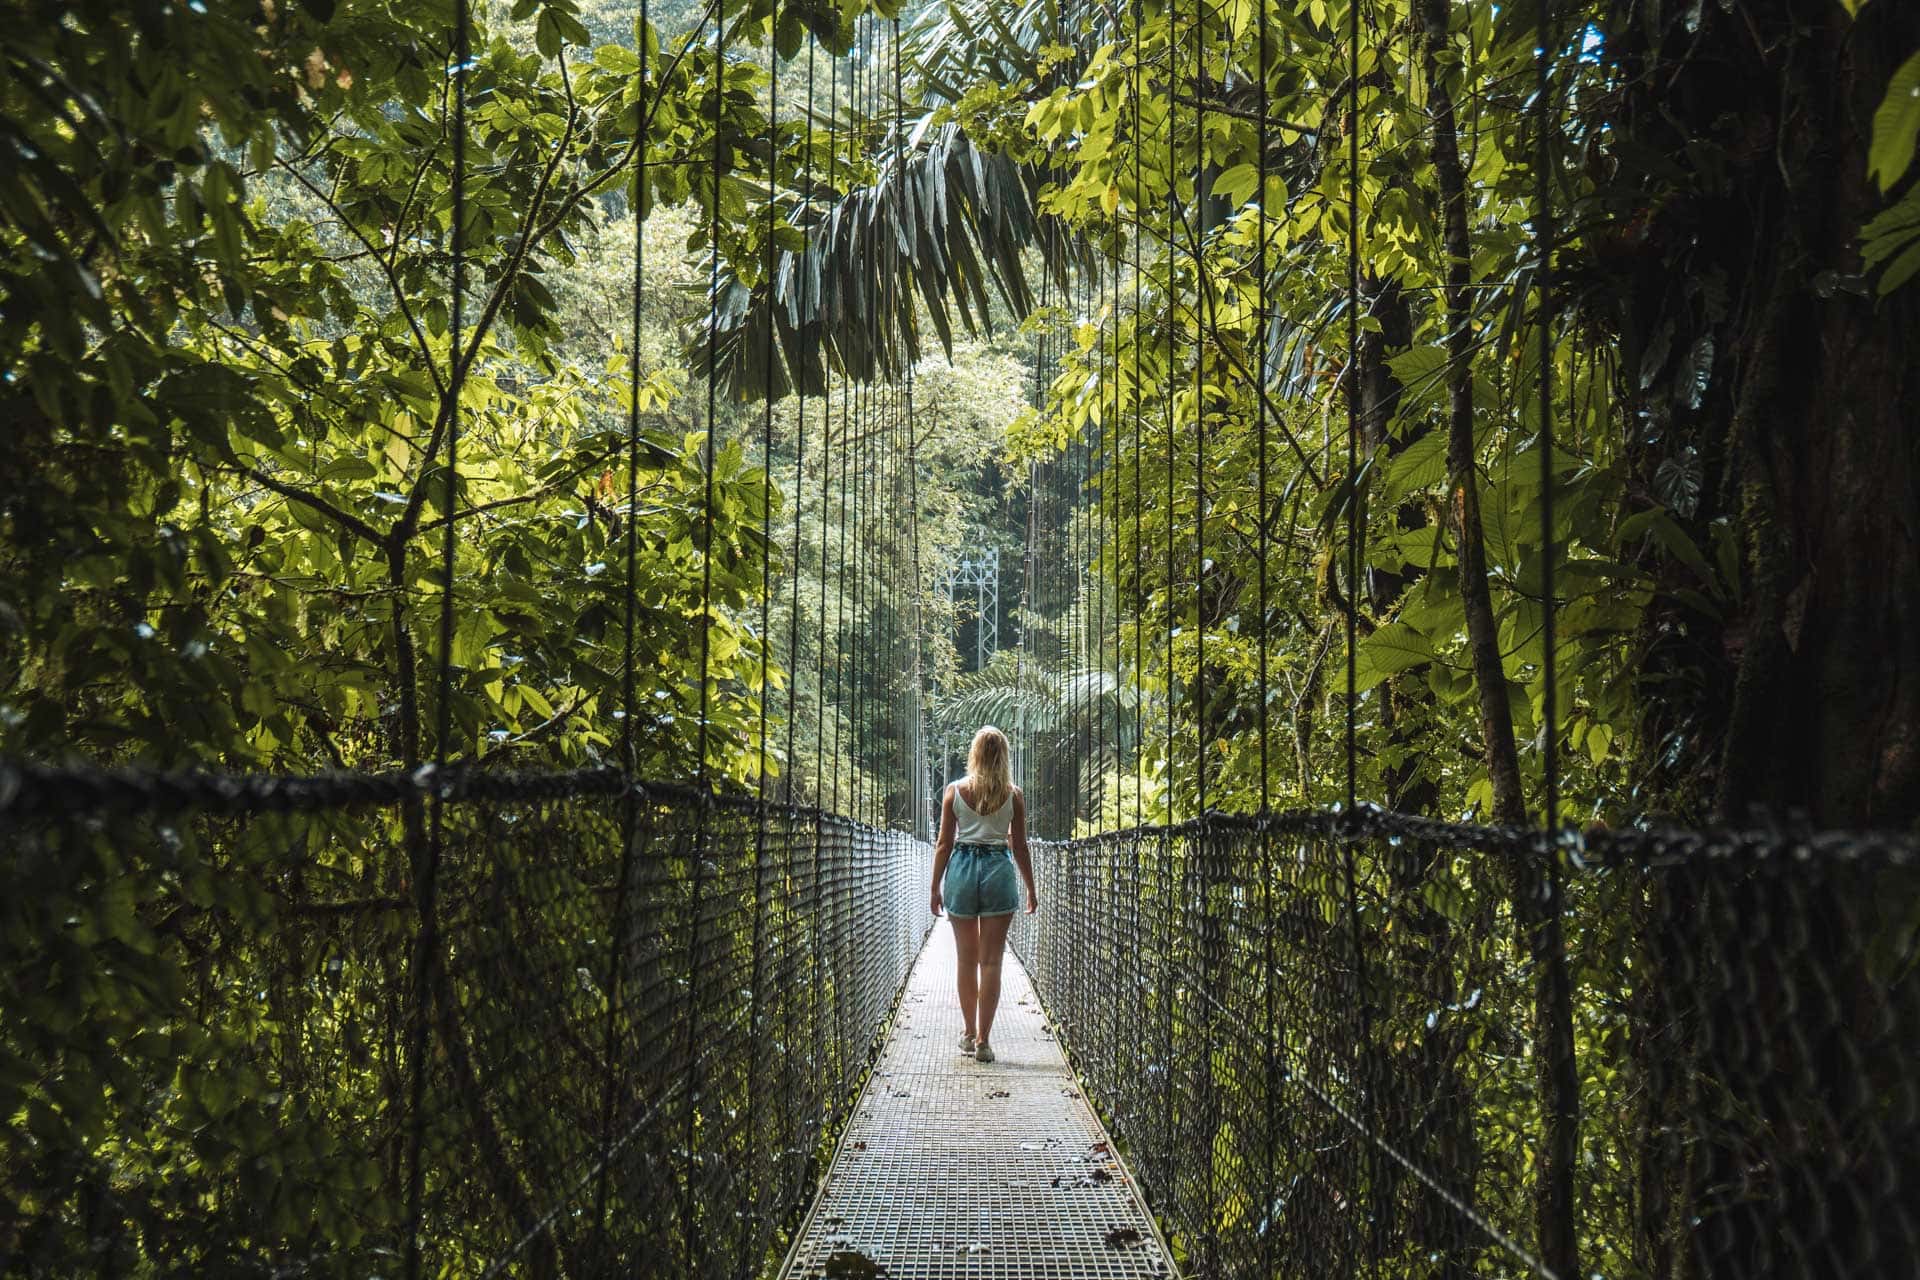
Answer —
851 1264
999 1093
1124 1238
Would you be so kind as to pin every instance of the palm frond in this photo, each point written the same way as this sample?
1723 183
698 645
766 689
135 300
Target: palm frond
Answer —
942 231
943 222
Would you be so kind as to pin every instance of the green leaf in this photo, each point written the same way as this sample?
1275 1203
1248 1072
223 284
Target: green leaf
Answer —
1420 465
547 36
1900 270
1420 371
1896 125
1237 184
1672 539
571 27
1394 648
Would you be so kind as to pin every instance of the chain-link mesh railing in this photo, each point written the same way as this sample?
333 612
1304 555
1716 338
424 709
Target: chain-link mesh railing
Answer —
243 1016
1317 1037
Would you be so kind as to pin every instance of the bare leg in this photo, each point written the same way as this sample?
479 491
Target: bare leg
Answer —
966 941
993 942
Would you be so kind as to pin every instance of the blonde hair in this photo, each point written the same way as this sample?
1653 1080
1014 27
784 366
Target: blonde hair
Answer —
989 771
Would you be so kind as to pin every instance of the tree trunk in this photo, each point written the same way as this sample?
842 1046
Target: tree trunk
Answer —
1758 361
1534 904
1483 638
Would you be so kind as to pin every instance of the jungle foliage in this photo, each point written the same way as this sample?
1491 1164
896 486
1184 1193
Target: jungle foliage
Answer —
228 337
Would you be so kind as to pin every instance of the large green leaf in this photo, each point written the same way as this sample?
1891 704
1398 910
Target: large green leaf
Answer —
1896 126
1390 650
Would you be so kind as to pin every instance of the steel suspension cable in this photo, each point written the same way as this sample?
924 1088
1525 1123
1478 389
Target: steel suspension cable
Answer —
917 583
905 614
1138 447
1268 872
1166 383
827 451
759 982
1077 528
796 659
1563 1101
1165 861
426 877
794 656
1116 533
1366 1072
693 1239
1545 234
629 796
1201 294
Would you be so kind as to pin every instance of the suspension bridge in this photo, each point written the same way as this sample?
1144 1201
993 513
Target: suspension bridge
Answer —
455 1019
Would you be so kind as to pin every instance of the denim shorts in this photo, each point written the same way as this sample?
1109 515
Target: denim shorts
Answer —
980 881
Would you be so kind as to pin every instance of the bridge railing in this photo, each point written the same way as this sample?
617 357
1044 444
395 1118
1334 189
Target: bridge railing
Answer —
258 1025
1316 1039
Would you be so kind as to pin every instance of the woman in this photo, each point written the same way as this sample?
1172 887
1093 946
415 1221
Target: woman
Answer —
983 818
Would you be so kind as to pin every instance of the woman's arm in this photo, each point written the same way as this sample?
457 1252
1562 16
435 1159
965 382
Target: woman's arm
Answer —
943 846
1022 858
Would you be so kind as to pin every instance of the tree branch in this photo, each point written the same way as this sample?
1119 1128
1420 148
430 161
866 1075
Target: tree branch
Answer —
346 520
409 521
386 269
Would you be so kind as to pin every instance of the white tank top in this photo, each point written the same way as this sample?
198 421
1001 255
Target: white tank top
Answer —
975 828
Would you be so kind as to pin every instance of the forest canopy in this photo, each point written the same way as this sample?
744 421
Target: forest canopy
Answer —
228 352
1500 413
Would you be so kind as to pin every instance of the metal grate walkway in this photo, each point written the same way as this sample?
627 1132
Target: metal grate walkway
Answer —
954 1169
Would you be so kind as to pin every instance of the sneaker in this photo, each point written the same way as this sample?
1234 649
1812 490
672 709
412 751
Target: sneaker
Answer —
983 1052
966 1044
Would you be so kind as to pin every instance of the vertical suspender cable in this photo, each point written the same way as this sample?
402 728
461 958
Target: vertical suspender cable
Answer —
1166 382
1560 1249
629 796
691 1235
1365 1052
1353 408
1110 496
1137 447
825 318
1201 864
1077 515
796 571
1544 233
1271 1074
426 878
1201 290
823 913
1138 444
808 317
1100 474
914 584
755 1037
856 631
840 589
717 96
